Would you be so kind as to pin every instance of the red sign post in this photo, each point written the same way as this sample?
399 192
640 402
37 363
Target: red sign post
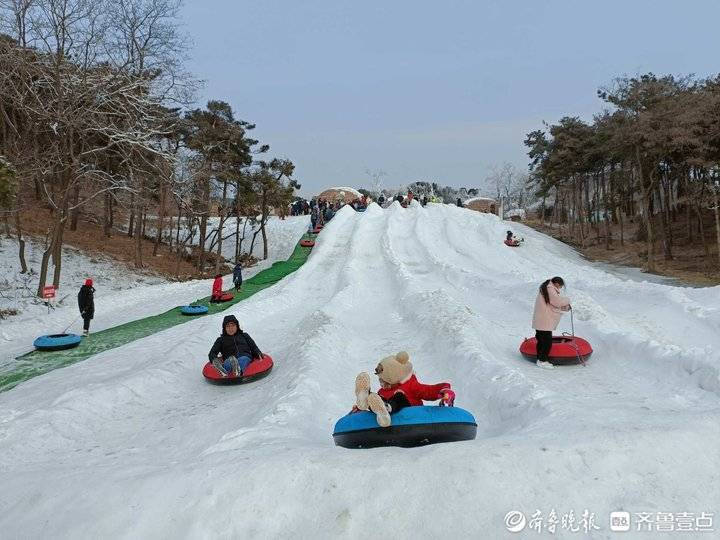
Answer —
48 292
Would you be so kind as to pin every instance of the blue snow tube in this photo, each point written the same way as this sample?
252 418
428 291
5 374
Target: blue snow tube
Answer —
57 342
194 310
412 426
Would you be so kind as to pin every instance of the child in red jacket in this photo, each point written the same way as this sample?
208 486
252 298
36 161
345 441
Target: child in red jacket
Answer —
399 389
217 288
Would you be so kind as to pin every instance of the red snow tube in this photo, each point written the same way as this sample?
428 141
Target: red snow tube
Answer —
564 350
317 230
257 369
307 243
510 243
224 297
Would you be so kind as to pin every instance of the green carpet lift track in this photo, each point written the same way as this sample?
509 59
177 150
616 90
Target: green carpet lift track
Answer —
36 363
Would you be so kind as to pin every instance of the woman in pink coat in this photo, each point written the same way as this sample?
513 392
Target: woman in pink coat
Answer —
549 306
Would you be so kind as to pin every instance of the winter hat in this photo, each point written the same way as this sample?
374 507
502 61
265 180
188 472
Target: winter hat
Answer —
230 319
395 369
88 282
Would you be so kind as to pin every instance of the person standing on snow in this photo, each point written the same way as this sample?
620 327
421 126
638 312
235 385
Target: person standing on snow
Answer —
233 351
549 306
86 303
237 276
217 288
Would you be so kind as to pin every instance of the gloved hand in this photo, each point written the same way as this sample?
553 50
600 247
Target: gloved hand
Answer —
447 397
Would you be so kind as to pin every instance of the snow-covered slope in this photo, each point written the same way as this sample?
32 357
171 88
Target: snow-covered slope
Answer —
121 295
133 443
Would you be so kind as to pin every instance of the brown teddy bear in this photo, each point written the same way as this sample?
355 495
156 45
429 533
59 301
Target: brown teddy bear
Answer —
399 388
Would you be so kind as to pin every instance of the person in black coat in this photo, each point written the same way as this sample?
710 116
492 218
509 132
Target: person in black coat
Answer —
237 276
233 350
86 303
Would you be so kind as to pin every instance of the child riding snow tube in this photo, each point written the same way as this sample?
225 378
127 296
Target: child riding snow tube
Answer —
510 240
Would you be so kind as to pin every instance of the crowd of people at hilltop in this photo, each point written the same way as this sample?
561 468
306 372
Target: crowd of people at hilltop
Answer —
324 209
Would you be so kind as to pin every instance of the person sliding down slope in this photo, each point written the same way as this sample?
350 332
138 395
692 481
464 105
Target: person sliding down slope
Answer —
399 389
512 240
233 350
549 306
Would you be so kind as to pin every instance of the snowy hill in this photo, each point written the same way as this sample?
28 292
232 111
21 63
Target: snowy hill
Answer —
133 443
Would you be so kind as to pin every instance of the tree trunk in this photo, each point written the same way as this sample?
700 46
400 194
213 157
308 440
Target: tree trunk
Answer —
688 212
717 218
252 242
647 193
667 250
44 263
144 221
265 215
131 224
204 220
21 243
177 231
221 228
237 239
669 219
138 243
701 226
138 210
75 213
58 251
161 220
107 215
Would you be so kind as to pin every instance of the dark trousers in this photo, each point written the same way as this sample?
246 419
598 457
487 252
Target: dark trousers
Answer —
238 284
86 323
398 402
544 344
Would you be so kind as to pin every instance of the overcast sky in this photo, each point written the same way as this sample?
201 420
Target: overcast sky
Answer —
429 90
